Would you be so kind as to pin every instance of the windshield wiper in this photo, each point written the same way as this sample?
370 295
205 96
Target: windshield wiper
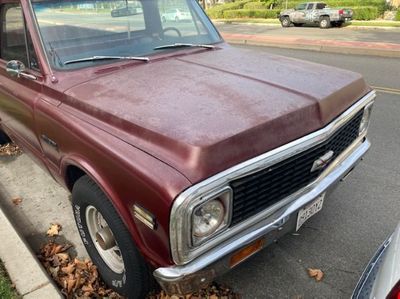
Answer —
95 58
181 45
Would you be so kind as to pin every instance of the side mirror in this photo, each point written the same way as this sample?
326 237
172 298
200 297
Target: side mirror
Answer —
16 68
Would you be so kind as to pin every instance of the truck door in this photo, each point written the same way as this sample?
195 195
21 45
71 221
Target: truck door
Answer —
310 12
18 92
299 14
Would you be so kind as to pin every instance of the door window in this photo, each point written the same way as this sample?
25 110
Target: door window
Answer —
310 6
16 43
301 6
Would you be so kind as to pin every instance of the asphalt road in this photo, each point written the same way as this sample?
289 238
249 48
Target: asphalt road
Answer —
355 219
339 240
391 35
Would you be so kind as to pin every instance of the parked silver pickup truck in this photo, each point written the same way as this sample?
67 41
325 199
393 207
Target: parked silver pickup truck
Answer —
315 13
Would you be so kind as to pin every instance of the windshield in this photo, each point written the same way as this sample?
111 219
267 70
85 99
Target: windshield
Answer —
73 30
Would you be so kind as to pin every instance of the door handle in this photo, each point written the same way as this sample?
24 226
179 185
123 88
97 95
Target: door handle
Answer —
27 76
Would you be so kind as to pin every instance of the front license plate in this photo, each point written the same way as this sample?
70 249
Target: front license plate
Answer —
309 211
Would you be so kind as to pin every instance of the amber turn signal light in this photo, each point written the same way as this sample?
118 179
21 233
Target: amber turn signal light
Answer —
246 252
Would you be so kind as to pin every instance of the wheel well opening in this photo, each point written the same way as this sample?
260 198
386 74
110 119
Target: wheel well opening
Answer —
73 174
4 138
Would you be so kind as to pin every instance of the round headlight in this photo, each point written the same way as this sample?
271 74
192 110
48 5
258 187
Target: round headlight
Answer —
207 218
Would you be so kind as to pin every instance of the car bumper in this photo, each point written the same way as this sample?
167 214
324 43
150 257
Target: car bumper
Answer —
345 19
201 271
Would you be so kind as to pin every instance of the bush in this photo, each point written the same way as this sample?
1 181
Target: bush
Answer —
217 12
397 18
365 13
251 13
255 5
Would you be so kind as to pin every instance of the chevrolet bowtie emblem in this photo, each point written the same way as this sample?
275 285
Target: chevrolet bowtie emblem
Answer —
321 162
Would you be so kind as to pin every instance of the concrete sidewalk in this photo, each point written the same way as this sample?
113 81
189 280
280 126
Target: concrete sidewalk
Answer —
375 42
323 45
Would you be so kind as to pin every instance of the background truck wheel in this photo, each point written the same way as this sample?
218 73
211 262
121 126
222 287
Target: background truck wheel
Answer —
4 138
108 242
325 23
285 21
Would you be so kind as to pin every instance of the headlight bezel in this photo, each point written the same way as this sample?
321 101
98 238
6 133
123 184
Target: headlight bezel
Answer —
225 196
365 120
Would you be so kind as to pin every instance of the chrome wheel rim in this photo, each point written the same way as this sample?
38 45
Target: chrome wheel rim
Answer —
112 257
285 22
324 23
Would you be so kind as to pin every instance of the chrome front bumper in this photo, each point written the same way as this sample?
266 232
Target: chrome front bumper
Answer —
201 271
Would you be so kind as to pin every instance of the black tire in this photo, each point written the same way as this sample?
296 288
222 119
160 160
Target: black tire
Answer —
324 22
136 280
4 138
285 22
339 24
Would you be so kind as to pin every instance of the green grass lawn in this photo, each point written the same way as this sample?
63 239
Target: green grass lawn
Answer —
6 289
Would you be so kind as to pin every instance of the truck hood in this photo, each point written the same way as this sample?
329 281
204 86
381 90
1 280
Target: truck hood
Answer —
207 111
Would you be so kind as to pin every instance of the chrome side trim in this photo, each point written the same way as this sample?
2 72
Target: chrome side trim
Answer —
183 206
216 261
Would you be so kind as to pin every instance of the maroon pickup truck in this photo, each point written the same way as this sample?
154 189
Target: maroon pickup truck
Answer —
184 156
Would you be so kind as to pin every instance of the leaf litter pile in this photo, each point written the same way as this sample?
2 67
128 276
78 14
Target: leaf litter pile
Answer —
76 278
214 291
10 149
79 279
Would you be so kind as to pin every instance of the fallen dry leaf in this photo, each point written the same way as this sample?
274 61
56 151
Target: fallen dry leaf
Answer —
68 269
17 200
316 273
54 230
10 149
62 257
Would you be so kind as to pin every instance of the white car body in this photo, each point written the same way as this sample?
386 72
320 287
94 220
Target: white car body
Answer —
382 274
176 15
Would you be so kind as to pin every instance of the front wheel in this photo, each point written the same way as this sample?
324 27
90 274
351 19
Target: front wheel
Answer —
325 23
285 21
108 241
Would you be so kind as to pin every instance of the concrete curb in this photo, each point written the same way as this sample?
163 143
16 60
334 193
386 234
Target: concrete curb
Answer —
330 46
25 270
